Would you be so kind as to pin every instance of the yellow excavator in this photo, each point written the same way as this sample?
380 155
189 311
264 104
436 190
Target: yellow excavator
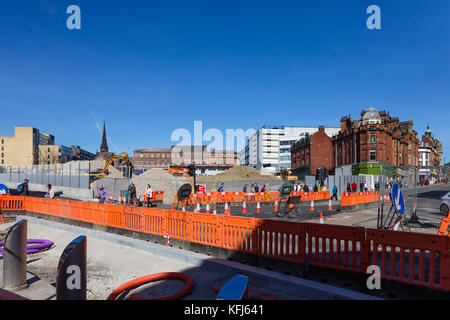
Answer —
104 171
285 174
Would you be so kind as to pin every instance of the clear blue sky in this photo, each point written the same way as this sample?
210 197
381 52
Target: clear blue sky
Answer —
150 67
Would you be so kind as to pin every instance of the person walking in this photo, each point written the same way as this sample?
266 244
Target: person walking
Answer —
23 188
349 188
361 186
245 188
256 187
263 189
220 189
354 186
149 196
132 192
50 194
102 194
305 188
334 193
315 188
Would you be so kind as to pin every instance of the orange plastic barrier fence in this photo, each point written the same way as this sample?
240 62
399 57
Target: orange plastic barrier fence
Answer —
403 249
413 258
354 198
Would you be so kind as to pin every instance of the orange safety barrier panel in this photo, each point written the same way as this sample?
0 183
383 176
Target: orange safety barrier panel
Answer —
332 246
402 249
238 233
280 240
337 247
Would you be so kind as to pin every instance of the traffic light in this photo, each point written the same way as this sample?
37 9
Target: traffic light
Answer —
191 170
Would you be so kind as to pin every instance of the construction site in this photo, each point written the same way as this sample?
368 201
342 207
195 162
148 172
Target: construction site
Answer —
280 244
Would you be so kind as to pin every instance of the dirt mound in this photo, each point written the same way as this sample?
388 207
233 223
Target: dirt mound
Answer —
159 180
237 173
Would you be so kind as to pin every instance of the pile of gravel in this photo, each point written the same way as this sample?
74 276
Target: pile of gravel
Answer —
159 180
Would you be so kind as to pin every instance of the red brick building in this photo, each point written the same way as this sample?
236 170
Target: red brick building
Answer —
147 158
376 137
312 152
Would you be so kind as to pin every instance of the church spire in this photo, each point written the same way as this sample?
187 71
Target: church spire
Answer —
104 146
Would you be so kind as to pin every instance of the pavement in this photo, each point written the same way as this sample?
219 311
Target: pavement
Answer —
113 260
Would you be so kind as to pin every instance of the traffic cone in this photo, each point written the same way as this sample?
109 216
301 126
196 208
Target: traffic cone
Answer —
311 208
330 207
244 207
275 208
258 207
226 210
321 218
173 205
198 208
110 199
208 211
215 209
184 208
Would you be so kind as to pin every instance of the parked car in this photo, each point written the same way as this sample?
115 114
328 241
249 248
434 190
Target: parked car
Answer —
445 204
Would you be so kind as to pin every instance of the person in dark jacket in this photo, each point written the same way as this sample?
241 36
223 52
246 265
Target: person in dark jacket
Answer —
25 191
132 193
305 188
315 189
349 188
256 187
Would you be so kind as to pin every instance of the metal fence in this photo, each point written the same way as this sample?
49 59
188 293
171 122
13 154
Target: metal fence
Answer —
70 175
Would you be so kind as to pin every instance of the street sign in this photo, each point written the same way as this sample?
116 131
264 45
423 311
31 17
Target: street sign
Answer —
397 199
3 189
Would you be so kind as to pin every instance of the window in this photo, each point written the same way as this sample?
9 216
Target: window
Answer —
373 155
141 155
146 162
152 155
373 138
151 162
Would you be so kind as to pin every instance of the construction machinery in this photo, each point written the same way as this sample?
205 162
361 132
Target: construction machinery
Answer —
285 174
179 173
126 162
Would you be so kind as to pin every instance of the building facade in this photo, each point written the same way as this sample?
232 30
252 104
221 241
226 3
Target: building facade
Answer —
148 158
208 162
22 149
311 152
53 154
270 147
80 154
375 137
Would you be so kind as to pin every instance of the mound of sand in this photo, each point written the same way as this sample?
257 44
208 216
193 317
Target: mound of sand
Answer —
159 180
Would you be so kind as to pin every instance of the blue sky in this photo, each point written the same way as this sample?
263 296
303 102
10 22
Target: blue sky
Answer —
150 67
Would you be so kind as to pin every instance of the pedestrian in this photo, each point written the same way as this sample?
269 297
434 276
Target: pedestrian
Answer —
245 188
102 194
349 188
315 188
263 189
305 188
361 186
149 195
256 187
354 186
220 189
365 187
310 188
334 193
377 186
50 194
132 193
23 188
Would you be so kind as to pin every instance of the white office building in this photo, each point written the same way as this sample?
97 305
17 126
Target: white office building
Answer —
270 147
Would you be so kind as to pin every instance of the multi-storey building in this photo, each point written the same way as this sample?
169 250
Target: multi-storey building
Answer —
207 161
147 158
312 152
270 147
53 154
376 137
430 155
80 154
22 149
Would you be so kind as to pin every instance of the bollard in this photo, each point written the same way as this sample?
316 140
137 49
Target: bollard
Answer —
71 273
15 257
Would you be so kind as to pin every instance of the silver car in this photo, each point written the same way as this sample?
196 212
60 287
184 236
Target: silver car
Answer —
445 204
